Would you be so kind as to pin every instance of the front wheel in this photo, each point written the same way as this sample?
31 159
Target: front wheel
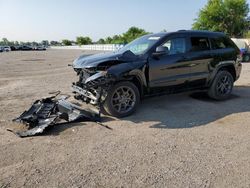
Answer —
222 86
122 99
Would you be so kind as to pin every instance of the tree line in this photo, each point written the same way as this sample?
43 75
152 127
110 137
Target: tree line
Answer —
228 16
131 34
124 38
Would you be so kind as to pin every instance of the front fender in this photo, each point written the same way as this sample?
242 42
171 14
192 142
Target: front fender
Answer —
128 70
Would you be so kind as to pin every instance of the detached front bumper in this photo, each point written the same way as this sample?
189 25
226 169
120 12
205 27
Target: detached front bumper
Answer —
49 111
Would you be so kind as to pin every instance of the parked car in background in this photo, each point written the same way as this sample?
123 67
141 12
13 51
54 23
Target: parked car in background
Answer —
39 48
13 48
6 48
154 64
1 49
18 48
25 48
243 45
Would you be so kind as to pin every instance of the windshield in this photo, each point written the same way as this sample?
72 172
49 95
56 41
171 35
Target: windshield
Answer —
141 45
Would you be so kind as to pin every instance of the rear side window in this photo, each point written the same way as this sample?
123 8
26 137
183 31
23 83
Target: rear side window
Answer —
221 43
199 44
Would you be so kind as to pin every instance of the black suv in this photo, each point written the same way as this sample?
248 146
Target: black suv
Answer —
156 64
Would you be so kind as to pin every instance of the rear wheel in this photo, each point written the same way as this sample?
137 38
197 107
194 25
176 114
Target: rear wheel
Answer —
122 99
222 86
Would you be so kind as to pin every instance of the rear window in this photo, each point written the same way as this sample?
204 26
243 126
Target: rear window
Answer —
221 43
199 44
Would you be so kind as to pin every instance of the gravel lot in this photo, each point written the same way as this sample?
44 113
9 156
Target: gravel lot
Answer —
184 140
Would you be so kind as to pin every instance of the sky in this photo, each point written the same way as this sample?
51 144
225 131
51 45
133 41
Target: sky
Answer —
37 20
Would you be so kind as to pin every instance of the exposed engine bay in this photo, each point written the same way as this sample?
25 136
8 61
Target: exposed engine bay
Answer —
92 86
98 73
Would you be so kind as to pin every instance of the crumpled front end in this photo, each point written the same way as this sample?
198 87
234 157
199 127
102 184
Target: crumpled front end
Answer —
92 85
99 72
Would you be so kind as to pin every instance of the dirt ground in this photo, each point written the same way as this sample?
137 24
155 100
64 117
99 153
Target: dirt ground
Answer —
184 140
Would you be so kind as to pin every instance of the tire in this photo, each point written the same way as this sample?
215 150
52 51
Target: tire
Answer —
122 99
222 86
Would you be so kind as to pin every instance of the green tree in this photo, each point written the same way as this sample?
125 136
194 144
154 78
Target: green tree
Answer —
5 41
101 41
55 43
117 39
16 43
66 42
108 40
228 16
45 43
83 40
34 43
132 34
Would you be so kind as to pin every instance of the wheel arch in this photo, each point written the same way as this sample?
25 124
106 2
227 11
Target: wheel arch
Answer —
223 67
137 81
230 69
137 77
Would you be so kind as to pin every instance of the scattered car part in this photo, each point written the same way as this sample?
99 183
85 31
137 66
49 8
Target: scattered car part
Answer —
49 111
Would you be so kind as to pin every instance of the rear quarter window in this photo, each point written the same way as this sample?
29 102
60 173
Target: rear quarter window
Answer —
221 43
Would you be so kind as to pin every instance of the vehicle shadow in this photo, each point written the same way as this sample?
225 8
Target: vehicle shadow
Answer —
59 128
190 110
185 110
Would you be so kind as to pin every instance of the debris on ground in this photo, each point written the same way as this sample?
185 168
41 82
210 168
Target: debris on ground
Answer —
50 111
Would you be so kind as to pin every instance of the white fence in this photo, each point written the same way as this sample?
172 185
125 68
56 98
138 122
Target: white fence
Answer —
97 47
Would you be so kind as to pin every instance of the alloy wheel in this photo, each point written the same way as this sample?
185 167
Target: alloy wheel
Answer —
224 85
123 99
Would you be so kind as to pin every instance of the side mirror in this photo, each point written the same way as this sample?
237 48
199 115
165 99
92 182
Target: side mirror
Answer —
160 50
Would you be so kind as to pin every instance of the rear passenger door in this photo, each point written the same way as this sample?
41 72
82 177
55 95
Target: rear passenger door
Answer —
199 57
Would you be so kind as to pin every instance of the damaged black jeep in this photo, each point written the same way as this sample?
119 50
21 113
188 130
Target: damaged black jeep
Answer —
156 64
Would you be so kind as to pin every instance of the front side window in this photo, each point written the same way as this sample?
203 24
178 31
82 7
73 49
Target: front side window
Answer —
199 44
175 46
141 45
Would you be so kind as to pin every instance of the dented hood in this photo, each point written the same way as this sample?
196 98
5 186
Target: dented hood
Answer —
89 61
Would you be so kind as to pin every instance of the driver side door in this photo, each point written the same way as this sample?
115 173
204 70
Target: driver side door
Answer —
172 68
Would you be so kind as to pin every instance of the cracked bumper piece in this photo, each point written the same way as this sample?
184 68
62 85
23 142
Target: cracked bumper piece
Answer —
84 93
49 111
